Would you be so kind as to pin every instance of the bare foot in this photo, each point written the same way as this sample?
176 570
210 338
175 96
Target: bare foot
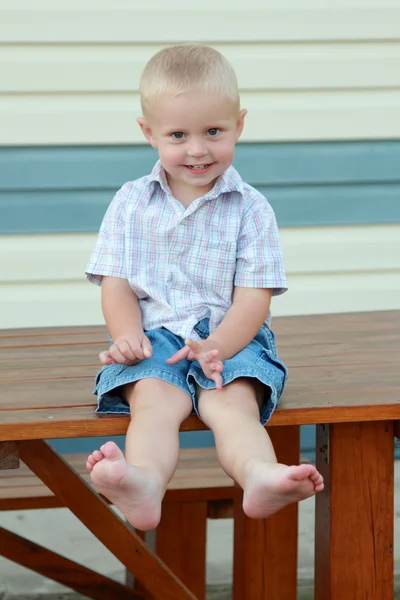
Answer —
270 487
133 490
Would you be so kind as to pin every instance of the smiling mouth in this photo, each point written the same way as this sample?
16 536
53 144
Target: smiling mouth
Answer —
198 167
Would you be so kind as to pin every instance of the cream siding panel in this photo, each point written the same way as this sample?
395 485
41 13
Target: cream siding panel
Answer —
69 71
140 25
330 269
111 118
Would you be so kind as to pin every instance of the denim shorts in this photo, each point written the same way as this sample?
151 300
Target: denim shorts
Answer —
258 360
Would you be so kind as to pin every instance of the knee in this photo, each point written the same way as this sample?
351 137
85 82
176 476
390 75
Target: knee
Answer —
242 395
160 397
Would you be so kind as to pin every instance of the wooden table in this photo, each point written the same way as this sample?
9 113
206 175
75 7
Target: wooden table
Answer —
344 377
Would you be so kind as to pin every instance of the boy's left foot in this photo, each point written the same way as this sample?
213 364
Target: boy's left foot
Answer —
272 486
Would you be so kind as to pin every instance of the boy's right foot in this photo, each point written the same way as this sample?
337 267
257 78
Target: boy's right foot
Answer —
133 490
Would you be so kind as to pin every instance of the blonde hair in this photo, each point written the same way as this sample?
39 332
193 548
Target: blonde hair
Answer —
179 69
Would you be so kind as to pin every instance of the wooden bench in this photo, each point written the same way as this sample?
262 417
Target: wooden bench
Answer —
344 377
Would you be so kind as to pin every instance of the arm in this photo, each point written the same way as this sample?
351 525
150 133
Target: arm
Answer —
121 308
124 322
241 323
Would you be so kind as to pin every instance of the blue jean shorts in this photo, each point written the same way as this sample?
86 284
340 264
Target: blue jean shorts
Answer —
258 360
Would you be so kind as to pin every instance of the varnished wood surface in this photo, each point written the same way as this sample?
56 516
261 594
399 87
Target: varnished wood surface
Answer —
73 575
348 361
102 521
197 469
354 528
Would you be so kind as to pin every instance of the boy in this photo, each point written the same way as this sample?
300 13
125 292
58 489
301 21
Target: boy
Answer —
188 258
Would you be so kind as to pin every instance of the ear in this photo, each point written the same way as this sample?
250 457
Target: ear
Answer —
240 123
145 127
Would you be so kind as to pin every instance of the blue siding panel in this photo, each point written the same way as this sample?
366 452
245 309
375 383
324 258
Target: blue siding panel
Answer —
67 189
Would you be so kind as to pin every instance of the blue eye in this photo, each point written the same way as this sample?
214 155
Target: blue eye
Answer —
178 135
213 132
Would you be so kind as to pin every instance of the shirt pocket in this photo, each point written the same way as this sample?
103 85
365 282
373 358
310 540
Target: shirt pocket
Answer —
212 267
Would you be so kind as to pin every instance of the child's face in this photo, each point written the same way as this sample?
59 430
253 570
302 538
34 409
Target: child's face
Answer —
195 134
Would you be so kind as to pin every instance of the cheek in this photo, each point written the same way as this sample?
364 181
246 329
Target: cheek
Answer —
170 154
225 150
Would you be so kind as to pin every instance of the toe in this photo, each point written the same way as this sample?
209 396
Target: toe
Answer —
300 472
111 451
89 466
91 460
316 477
97 455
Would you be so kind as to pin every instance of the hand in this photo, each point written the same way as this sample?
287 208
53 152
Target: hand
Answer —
127 349
207 352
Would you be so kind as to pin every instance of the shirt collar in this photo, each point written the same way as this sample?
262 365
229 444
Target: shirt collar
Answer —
229 181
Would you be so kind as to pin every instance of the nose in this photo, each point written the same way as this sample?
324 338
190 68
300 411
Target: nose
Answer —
197 148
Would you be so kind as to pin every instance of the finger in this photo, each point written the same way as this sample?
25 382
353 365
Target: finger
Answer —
212 355
130 352
182 354
106 358
137 353
218 379
218 366
147 347
118 356
194 345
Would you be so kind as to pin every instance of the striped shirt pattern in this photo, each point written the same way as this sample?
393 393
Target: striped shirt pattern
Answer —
183 263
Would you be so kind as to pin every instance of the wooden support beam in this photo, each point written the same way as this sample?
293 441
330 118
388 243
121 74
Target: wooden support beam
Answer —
355 512
265 551
102 521
49 564
9 455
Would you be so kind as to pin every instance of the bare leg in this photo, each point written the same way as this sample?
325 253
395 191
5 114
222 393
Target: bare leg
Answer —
246 453
136 484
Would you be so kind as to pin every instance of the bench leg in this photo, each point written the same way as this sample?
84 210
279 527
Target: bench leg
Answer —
180 542
355 512
265 551
102 521
60 569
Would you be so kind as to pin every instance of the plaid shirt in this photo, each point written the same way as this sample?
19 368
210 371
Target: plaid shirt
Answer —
182 263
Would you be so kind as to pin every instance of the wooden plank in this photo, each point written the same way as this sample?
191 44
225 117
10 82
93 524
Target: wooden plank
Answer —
49 564
51 372
265 551
73 338
198 476
46 333
9 455
99 518
342 324
81 422
354 514
308 387
364 348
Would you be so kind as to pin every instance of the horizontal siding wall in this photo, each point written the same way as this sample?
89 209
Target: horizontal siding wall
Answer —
69 70
330 269
48 190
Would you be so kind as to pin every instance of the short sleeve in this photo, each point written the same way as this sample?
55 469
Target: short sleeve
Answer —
108 256
259 258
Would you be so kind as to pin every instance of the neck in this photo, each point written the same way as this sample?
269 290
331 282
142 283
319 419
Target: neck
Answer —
186 194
